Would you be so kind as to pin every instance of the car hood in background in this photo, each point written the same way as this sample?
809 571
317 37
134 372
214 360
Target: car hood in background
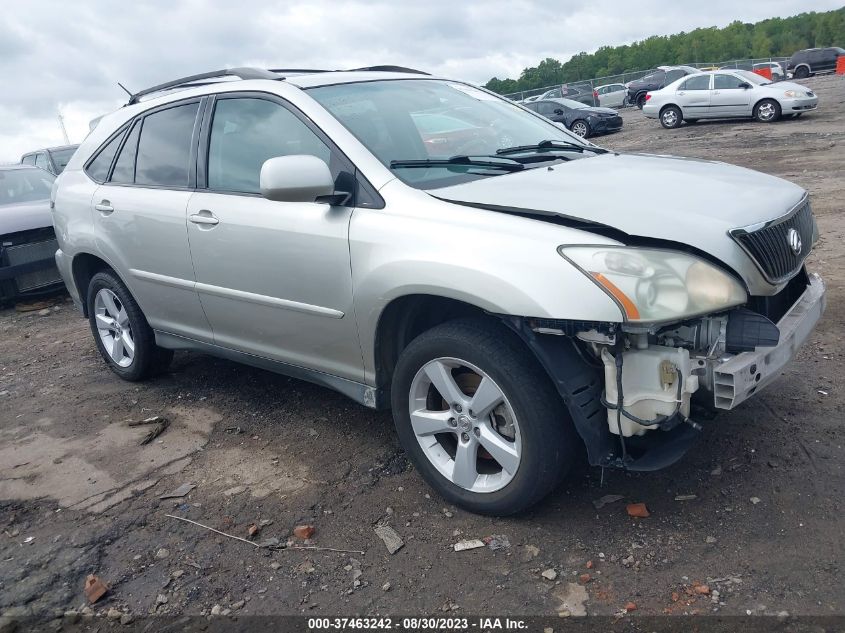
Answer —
25 216
687 201
598 110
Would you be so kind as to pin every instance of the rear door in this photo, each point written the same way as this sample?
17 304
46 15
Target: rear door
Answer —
274 277
139 217
728 98
693 96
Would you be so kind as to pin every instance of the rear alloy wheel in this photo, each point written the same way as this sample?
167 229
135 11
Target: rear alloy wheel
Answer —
580 128
767 111
670 117
802 72
121 332
479 417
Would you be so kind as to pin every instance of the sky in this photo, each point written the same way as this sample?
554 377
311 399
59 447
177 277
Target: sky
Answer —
66 56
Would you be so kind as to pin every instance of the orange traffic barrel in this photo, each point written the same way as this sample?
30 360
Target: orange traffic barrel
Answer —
840 65
765 71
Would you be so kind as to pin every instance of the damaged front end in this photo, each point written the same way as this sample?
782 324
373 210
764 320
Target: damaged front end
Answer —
637 392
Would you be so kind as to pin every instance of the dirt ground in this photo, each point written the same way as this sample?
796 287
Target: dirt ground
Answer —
755 511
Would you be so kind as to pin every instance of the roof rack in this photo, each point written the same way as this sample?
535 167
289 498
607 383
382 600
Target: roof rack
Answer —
256 73
240 73
390 69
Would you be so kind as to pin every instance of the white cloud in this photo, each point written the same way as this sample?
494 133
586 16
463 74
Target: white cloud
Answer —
67 56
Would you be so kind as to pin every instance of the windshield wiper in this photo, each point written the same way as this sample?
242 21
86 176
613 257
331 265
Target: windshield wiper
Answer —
505 164
550 146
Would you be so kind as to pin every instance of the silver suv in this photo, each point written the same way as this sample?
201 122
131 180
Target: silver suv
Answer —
424 245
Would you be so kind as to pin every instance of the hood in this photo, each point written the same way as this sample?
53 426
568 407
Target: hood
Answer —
680 200
598 110
787 85
25 216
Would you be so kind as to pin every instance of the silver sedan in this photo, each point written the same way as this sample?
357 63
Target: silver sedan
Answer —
725 94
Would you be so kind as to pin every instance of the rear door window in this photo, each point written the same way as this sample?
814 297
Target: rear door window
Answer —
699 82
164 147
42 161
28 160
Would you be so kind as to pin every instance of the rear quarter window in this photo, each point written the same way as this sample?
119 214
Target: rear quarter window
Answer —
164 148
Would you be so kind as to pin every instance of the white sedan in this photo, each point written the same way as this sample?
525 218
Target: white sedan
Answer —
723 94
612 95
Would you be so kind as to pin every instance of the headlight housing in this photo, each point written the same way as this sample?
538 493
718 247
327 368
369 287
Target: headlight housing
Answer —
792 93
651 285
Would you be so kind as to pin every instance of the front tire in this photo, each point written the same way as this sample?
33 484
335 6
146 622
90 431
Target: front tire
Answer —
580 128
671 117
121 332
479 417
767 111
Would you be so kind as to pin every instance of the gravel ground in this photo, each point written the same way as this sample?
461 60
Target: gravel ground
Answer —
755 512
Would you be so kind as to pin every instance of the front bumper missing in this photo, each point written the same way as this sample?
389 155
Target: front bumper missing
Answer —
737 378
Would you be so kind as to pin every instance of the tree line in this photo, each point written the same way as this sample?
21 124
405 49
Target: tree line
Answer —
775 37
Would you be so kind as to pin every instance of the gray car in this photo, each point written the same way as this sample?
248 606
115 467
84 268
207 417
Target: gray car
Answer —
491 289
725 94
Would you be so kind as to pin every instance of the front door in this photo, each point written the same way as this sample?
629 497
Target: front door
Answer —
274 277
728 98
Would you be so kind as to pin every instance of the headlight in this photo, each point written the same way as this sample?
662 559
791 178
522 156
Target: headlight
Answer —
792 93
655 285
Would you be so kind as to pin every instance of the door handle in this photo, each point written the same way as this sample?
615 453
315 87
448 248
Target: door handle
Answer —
204 217
104 207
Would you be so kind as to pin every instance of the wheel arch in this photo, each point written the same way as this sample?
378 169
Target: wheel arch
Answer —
406 317
83 268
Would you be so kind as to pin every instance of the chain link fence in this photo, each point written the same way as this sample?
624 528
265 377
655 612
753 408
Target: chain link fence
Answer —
624 78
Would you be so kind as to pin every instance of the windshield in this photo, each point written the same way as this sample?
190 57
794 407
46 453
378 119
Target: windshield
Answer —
753 78
61 157
422 119
24 185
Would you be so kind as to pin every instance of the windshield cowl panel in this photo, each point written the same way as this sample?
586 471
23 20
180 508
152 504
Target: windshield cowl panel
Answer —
419 127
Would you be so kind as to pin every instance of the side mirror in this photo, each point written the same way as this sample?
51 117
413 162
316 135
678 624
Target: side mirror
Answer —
296 178
558 111
744 86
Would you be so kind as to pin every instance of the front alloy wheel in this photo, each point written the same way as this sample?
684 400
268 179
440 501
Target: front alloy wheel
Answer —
581 128
767 111
479 417
465 425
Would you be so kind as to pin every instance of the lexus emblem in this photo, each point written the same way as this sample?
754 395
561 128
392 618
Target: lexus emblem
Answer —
794 241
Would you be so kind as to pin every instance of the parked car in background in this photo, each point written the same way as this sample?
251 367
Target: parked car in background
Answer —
663 76
778 73
511 307
612 95
448 134
810 61
728 94
584 93
52 159
27 241
580 119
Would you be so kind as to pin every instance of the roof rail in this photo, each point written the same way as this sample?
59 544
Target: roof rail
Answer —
241 73
390 69
300 70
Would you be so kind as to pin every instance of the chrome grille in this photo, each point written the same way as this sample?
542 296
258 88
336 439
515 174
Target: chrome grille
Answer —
769 247
32 252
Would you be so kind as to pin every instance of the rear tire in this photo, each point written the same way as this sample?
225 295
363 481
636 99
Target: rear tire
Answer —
121 332
671 117
802 72
640 101
530 420
767 111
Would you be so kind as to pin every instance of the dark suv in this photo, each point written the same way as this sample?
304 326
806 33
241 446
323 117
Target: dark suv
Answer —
813 60
663 76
